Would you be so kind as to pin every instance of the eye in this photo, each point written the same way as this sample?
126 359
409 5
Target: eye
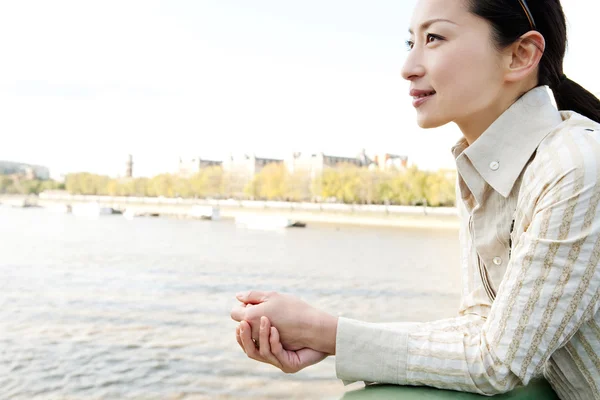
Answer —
409 45
432 38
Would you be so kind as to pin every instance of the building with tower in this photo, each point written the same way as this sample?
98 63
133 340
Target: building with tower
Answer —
129 167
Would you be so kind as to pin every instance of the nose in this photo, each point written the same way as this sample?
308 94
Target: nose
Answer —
412 68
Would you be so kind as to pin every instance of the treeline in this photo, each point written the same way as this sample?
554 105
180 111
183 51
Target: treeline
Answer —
12 185
346 183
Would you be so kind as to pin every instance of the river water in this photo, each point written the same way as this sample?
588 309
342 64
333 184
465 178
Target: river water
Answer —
111 308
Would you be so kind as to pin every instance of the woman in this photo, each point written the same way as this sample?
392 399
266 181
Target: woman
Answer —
528 194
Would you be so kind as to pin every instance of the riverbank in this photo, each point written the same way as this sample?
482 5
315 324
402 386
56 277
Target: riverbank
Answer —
368 215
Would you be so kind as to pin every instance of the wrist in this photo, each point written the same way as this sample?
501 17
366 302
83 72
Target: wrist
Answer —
323 333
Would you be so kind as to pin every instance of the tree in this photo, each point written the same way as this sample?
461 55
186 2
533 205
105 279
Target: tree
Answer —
6 184
440 188
341 183
270 183
209 182
345 183
162 185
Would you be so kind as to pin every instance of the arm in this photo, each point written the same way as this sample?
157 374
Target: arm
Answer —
550 289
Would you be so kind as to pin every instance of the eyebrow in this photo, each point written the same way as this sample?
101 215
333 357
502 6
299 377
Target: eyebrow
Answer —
427 24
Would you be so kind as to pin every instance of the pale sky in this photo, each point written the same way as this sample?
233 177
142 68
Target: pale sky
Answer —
84 83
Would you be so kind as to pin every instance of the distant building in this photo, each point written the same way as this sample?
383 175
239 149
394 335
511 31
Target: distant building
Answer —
299 162
129 169
363 159
387 161
191 167
247 165
308 168
315 164
26 171
241 169
322 161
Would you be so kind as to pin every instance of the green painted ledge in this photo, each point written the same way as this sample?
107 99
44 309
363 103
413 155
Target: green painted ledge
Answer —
536 390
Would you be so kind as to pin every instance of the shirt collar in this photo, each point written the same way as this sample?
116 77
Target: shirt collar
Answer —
502 151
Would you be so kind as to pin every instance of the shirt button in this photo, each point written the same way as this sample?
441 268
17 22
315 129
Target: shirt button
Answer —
494 165
497 261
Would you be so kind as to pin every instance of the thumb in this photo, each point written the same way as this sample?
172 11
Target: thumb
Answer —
252 297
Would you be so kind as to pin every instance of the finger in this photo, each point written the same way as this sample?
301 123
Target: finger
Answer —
249 346
238 313
238 338
278 351
252 297
263 336
265 346
255 333
283 356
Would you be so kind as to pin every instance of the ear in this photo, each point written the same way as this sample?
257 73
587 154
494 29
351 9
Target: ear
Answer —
524 56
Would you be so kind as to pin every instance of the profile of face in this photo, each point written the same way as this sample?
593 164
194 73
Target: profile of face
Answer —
453 66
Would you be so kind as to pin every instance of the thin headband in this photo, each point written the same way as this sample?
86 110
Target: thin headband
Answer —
528 13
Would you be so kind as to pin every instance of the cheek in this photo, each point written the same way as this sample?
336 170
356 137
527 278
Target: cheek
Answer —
465 78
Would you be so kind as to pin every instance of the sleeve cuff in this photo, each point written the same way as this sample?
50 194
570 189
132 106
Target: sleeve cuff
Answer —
371 352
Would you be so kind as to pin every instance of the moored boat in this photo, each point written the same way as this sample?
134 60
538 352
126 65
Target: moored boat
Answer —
205 212
91 210
268 222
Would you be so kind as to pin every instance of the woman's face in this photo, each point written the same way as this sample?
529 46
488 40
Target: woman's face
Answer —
454 69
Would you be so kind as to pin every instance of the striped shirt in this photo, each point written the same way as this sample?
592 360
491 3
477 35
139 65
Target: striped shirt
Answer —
528 197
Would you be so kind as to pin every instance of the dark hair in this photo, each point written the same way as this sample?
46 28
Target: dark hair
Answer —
509 22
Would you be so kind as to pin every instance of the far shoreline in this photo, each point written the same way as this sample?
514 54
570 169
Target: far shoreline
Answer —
315 213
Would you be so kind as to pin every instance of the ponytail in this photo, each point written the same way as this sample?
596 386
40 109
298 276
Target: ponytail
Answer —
569 95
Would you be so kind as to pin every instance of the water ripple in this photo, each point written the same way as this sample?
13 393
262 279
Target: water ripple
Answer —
106 310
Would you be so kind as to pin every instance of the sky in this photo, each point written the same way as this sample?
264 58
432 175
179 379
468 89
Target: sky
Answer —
85 83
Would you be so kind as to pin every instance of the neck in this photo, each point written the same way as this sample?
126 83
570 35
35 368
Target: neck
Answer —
473 126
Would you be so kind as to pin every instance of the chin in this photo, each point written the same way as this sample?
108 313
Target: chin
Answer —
426 122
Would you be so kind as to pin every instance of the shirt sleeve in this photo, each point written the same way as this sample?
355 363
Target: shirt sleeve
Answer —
550 289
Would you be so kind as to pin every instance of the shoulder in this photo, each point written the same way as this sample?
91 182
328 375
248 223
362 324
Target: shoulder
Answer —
571 149
566 164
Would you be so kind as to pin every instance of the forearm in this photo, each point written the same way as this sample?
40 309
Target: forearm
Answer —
446 354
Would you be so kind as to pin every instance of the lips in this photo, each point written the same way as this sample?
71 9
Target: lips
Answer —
421 96
418 94
425 95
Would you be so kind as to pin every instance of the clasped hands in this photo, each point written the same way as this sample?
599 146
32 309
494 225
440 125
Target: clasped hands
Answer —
283 331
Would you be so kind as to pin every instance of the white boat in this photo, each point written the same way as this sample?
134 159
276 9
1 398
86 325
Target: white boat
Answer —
59 208
17 202
205 212
131 213
267 222
90 210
